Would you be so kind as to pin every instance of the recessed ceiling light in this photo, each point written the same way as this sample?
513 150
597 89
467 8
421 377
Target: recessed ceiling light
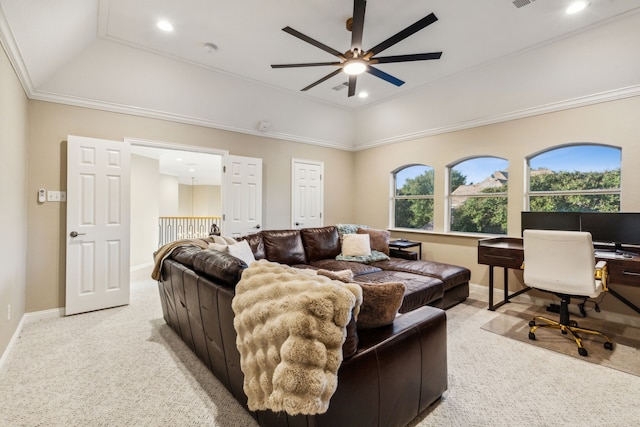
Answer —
165 26
179 159
577 6
363 95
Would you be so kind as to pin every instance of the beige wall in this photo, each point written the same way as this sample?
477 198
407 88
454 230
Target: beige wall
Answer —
50 124
145 209
14 196
615 123
169 195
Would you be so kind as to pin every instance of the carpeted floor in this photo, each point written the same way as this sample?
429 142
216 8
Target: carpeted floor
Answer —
126 367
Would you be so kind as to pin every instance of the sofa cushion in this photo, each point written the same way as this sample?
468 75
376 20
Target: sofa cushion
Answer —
256 243
451 275
420 290
184 254
335 265
220 266
320 242
379 239
284 246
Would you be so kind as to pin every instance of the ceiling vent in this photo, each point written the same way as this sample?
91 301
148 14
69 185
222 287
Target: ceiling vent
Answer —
341 86
521 3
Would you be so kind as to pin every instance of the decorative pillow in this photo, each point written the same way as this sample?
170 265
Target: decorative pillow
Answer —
243 251
224 240
348 229
379 239
375 256
380 304
380 301
219 247
356 245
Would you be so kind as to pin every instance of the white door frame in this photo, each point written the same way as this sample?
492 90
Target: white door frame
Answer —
180 147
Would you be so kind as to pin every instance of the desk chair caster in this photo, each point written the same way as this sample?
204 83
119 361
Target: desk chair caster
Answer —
571 329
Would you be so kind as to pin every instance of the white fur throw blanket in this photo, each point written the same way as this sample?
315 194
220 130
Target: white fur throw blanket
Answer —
291 324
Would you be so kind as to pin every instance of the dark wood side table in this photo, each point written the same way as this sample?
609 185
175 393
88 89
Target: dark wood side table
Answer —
402 244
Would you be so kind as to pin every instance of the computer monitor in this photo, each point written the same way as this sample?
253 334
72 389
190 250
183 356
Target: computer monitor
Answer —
550 221
617 228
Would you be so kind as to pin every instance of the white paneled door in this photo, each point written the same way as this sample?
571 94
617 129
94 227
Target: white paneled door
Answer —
98 175
242 196
307 193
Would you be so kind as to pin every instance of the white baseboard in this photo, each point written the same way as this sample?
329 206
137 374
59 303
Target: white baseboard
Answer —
44 315
12 342
29 318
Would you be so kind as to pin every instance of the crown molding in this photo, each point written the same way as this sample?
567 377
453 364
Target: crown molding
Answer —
582 101
178 118
10 46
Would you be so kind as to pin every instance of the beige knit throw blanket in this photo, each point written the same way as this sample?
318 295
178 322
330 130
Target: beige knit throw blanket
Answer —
164 251
291 324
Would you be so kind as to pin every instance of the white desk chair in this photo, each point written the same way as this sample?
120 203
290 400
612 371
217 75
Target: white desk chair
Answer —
563 262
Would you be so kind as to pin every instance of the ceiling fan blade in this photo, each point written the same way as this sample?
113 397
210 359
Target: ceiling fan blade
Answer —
308 64
352 85
405 58
357 26
384 76
411 29
327 77
313 42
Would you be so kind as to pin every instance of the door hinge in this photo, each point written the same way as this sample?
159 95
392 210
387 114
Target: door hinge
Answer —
224 169
224 217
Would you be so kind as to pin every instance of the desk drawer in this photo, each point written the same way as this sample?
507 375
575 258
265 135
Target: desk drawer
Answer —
500 257
624 272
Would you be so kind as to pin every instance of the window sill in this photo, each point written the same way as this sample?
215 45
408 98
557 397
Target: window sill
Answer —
477 236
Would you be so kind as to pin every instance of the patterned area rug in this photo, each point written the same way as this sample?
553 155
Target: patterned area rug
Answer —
626 339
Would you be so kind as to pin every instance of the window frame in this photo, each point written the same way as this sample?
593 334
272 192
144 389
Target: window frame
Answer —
394 197
528 193
449 194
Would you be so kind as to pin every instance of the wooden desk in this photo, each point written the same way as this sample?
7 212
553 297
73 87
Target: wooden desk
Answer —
508 252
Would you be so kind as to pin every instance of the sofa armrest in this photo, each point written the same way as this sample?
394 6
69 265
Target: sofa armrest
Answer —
400 369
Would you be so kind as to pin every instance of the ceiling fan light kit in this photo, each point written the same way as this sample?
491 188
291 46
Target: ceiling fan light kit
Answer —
353 67
356 61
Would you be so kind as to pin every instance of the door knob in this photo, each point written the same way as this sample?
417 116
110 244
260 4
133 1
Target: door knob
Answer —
257 227
76 234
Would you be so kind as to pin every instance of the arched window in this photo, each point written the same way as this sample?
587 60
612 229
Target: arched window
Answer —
412 200
478 195
575 178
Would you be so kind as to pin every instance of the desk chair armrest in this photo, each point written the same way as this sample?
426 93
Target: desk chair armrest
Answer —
601 273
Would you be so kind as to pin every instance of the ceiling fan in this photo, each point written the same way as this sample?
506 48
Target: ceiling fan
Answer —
356 61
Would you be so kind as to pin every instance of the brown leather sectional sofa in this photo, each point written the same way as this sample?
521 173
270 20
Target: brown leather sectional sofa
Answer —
393 373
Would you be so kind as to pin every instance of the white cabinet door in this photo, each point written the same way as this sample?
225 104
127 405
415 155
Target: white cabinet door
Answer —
307 193
97 270
242 209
